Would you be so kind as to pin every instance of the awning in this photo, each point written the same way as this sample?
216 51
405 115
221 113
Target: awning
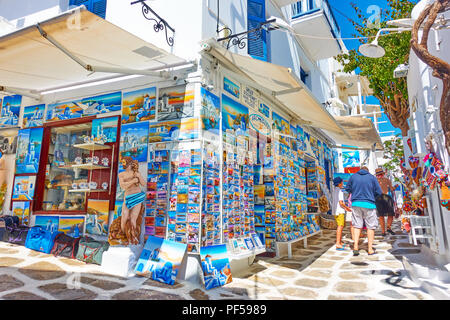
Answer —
59 51
362 131
281 84
282 3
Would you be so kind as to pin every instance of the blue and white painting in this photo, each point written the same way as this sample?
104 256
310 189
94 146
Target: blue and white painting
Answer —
210 112
10 111
161 259
232 88
33 116
235 117
106 127
49 223
216 266
29 150
350 159
134 140
101 104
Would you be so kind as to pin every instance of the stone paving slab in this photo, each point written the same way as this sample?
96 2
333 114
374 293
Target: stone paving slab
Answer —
317 272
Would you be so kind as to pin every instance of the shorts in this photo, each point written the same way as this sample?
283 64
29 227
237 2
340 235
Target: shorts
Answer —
385 206
361 216
340 219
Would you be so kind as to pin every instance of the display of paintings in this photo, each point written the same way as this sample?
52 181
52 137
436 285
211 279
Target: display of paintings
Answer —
232 88
49 223
106 128
139 105
97 217
216 266
161 259
210 112
134 140
350 159
10 110
21 209
234 118
176 102
29 150
24 188
33 116
71 226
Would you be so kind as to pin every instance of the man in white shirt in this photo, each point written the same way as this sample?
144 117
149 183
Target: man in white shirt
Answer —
339 210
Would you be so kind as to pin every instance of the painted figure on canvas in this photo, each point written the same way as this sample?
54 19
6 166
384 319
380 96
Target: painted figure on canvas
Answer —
126 229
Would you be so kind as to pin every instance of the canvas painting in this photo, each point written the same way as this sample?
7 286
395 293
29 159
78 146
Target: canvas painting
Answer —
350 159
105 127
10 110
105 103
189 129
33 116
24 188
176 102
72 226
97 217
210 112
216 266
232 88
234 117
161 260
49 223
139 105
282 126
63 111
134 141
21 209
164 131
29 150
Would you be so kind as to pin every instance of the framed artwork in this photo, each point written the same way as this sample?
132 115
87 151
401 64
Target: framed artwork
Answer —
134 141
21 209
139 105
24 187
72 226
215 266
10 110
176 102
28 151
33 116
161 259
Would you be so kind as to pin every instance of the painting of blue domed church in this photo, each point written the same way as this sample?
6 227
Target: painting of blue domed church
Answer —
161 259
216 266
29 150
10 110
33 116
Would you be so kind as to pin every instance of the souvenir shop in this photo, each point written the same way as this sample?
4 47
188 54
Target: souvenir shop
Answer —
201 161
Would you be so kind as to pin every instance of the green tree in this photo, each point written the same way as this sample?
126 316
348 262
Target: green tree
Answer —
391 92
394 153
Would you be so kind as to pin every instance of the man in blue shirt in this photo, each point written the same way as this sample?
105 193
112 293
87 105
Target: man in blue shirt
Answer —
364 188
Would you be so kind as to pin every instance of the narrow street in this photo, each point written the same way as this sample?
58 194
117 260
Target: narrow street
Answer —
318 272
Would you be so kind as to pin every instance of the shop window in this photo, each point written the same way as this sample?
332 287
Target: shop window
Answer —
257 44
95 6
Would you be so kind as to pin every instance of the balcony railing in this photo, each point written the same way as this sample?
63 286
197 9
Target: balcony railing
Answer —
306 7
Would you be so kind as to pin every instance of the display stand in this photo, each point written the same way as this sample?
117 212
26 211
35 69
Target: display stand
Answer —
241 261
121 261
289 244
191 269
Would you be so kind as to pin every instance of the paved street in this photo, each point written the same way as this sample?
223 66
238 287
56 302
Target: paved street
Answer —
318 272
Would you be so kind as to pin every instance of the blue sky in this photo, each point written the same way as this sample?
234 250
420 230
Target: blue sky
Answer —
343 9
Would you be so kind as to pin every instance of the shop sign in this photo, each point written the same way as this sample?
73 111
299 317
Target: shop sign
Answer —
261 125
249 97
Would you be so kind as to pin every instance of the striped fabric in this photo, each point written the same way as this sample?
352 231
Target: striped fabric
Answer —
133 200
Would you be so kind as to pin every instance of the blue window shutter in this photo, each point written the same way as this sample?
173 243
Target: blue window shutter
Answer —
78 3
99 8
256 14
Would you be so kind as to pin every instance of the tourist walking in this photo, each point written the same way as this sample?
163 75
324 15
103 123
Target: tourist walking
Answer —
339 210
364 188
384 202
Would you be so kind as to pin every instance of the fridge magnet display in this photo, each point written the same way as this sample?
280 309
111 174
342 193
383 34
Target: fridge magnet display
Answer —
176 102
97 217
49 223
105 129
33 116
29 150
139 105
134 141
21 209
216 266
10 110
24 188
126 229
160 260
105 103
210 112
232 88
71 226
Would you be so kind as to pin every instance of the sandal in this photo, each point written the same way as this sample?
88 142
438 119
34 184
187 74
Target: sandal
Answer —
371 254
342 248
390 231
355 253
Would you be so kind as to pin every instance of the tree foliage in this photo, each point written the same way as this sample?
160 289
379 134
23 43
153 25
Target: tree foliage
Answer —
391 92
394 153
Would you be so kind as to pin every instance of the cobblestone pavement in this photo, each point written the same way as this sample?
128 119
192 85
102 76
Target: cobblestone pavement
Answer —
317 272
